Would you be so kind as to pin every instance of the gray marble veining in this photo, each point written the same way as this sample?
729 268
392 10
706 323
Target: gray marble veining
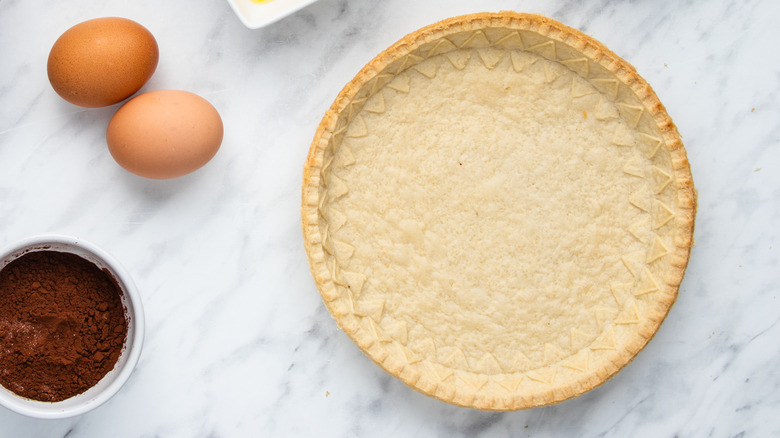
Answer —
238 341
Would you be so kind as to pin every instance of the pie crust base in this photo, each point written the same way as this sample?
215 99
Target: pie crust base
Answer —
584 189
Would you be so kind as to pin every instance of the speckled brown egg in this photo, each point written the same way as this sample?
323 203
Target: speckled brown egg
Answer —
164 134
103 61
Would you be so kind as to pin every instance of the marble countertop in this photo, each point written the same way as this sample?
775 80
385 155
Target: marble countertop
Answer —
238 340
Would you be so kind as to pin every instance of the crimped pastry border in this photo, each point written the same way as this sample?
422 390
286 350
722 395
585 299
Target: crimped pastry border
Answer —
596 52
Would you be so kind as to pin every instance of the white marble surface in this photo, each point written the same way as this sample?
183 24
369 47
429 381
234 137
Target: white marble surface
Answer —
238 341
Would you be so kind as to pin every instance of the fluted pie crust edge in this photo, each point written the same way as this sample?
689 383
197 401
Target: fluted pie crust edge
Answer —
493 381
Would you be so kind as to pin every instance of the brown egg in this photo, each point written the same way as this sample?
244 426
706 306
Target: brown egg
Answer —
164 134
103 61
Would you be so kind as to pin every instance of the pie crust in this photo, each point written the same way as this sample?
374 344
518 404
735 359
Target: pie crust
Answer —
498 211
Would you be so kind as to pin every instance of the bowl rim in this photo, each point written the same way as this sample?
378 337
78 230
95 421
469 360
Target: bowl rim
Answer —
257 15
136 322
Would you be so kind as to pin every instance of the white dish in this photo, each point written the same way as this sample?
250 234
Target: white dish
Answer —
111 382
256 14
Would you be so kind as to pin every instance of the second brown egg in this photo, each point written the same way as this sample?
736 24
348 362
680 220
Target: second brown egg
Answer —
164 134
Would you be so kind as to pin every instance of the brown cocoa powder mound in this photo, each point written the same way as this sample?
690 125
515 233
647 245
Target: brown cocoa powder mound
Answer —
62 325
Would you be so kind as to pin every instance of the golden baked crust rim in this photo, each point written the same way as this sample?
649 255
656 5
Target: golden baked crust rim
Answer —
454 391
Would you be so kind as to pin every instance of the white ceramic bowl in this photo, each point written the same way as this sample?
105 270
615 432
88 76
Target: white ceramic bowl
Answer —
111 382
255 15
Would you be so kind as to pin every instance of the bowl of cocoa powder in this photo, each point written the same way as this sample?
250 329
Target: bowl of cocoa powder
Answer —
71 326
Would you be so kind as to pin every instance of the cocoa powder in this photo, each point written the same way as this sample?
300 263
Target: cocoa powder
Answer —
62 325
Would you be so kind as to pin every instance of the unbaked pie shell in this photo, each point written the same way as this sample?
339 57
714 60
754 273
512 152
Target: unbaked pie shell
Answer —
523 320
